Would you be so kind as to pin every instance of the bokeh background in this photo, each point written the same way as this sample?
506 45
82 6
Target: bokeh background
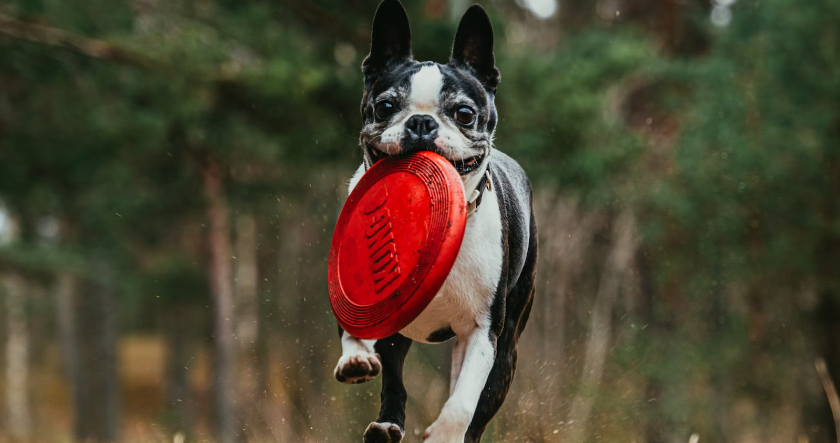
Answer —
171 172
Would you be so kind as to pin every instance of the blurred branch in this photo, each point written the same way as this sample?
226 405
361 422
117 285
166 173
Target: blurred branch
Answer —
830 392
50 36
230 87
97 49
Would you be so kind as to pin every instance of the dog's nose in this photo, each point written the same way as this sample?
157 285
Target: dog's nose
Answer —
421 126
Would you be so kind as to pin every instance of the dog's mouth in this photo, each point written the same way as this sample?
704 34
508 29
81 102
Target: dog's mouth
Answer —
463 166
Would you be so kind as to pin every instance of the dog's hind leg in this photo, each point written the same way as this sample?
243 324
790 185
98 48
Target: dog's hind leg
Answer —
390 426
359 362
518 308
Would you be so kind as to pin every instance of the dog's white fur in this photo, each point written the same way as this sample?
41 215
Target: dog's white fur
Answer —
425 89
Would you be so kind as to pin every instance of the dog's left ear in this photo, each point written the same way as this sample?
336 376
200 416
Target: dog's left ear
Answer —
473 48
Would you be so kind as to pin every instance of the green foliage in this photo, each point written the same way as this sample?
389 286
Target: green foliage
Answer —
555 117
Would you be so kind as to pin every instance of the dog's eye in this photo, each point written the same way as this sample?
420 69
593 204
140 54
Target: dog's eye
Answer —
384 110
465 116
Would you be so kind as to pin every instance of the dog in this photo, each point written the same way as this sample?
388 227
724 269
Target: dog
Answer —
408 106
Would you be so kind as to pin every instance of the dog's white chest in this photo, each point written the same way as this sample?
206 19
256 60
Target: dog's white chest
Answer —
464 300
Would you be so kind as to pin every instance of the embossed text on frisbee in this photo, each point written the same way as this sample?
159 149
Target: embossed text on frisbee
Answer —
380 237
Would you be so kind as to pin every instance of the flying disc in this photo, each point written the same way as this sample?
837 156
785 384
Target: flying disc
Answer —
395 242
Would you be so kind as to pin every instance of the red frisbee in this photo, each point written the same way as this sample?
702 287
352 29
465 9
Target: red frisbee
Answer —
395 242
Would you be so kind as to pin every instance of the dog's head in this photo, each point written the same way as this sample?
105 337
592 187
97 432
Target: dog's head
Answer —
411 106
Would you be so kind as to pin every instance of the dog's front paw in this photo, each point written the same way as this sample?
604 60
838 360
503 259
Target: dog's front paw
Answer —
383 433
443 431
358 368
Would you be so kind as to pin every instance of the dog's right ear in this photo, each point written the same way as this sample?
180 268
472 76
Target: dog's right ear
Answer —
390 40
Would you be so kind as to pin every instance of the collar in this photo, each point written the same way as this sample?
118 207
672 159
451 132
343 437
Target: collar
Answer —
477 194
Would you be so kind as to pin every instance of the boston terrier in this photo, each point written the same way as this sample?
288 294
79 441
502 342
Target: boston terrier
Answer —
408 106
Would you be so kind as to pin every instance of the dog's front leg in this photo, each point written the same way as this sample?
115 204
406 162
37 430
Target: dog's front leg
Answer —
478 355
390 426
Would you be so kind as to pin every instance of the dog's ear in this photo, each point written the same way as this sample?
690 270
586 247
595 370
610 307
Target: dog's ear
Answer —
473 48
390 40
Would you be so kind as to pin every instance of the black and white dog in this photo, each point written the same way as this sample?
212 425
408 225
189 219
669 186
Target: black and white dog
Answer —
409 106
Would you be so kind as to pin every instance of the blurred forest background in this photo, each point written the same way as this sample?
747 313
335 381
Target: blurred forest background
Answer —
171 172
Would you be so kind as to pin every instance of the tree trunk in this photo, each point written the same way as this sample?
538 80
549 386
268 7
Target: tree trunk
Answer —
176 326
246 282
106 354
653 428
245 292
219 251
624 247
266 309
65 294
17 358
96 404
